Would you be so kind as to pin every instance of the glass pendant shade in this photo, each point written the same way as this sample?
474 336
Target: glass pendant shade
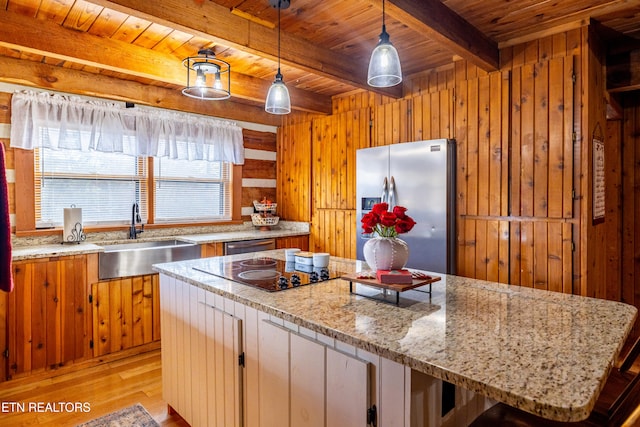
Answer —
208 77
278 101
384 66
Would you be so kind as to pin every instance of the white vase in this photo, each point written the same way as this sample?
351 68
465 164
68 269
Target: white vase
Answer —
386 253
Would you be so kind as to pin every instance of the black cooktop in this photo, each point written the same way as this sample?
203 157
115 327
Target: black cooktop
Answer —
271 274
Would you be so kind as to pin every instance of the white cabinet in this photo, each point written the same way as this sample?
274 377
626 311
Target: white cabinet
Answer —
347 390
202 376
273 367
308 374
307 383
292 376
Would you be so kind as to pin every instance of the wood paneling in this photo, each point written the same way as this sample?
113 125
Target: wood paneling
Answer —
333 231
515 163
294 172
335 141
483 251
540 255
432 115
541 139
391 123
481 127
621 251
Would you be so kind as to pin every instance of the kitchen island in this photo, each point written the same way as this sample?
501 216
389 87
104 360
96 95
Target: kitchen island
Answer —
544 352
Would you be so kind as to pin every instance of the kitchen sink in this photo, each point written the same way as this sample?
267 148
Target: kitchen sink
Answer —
135 259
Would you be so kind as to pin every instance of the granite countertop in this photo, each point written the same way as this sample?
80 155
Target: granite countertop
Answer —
23 253
544 352
35 251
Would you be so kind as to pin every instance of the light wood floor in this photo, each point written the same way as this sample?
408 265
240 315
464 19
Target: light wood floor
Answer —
105 388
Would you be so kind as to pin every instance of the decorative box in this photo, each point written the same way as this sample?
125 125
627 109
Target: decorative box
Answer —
394 276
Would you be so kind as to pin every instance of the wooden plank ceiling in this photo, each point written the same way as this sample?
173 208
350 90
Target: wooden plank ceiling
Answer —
325 44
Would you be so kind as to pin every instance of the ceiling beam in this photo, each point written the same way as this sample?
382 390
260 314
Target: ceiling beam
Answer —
439 23
59 79
55 41
214 22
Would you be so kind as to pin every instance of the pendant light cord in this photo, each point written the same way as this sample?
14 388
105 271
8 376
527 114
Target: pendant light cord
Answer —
383 26
279 8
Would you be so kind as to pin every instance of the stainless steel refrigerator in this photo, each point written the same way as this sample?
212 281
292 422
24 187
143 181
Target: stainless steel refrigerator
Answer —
421 177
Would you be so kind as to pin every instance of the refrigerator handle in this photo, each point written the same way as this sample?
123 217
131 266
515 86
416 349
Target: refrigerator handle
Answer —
392 193
385 191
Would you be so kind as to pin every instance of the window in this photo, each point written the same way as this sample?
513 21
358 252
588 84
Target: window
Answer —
104 185
194 190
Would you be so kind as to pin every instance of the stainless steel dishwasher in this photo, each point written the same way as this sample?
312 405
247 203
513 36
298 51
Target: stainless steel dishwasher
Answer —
244 246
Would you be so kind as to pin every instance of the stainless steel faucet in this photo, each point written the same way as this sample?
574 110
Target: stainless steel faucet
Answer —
135 219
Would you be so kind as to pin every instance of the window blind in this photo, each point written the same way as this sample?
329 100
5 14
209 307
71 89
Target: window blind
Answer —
104 185
193 191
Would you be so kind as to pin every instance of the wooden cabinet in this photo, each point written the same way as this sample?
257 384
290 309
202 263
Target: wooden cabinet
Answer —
126 313
211 249
301 242
201 355
47 319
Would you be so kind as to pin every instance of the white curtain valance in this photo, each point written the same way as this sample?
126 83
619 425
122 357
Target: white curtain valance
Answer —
40 119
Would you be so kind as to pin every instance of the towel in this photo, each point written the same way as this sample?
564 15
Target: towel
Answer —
6 276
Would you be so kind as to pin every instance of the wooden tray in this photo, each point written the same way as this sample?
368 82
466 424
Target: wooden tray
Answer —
363 277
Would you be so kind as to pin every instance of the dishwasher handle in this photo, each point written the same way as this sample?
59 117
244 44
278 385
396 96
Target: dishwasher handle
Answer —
244 246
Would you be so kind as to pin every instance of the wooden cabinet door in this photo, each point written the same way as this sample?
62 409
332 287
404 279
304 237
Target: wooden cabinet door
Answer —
211 249
126 313
46 314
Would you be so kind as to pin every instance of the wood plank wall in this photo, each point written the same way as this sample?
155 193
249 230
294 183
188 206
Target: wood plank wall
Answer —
294 172
518 165
622 219
333 152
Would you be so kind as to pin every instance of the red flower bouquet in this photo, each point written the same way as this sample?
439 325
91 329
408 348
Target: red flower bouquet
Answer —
387 223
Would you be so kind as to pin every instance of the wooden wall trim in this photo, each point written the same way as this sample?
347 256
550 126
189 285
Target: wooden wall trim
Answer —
25 183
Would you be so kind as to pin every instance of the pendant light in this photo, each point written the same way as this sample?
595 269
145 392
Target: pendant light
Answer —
384 66
278 101
210 76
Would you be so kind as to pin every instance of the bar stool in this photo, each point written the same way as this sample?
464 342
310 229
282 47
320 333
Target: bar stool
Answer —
619 397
